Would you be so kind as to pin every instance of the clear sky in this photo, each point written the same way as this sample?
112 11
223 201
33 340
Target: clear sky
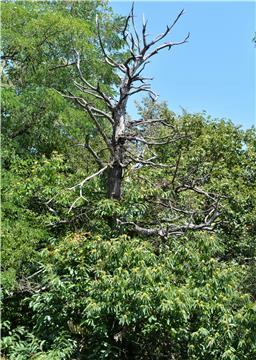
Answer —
215 70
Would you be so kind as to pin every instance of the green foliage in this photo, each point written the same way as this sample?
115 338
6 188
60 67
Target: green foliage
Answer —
76 283
110 298
213 155
22 345
119 297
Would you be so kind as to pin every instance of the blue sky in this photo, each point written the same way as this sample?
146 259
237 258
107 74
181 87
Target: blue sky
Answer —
215 70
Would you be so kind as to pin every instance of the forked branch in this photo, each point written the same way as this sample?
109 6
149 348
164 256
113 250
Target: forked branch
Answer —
172 229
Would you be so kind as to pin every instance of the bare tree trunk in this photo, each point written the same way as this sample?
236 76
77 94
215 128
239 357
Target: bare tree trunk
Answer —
115 181
115 172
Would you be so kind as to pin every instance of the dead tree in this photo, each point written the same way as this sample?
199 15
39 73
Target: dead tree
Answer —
123 131
132 82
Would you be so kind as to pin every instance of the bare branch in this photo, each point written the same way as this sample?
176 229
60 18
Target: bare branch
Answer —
171 207
81 184
168 29
149 162
102 113
81 74
95 89
87 91
172 229
97 94
47 204
137 77
94 154
90 110
76 200
144 29
149 122
144 141
88 107
101 131
143 88
198 190
42 269
142 230
126 26
62 65
108 59
166 45
134 28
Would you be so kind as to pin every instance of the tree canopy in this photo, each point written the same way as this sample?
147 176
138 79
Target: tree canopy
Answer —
121 238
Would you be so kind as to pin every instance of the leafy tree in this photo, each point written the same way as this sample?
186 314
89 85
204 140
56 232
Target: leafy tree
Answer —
91 273
40 129
38 56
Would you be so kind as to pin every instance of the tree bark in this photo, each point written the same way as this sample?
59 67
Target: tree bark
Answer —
115 172
115 181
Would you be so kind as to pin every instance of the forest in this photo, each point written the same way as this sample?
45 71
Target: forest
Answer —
122 238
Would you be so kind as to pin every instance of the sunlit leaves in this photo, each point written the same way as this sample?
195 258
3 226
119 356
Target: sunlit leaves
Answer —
76 282
128 292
